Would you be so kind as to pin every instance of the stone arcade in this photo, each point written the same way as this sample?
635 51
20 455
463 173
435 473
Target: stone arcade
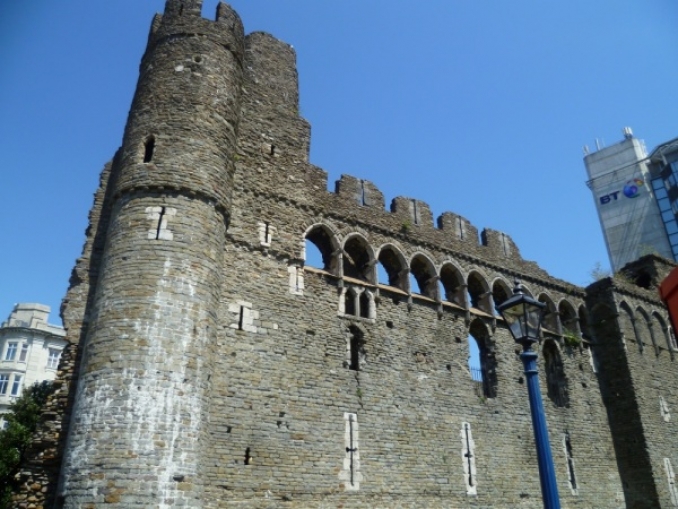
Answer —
209 367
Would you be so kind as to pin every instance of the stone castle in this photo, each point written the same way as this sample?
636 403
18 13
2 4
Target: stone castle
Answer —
209 366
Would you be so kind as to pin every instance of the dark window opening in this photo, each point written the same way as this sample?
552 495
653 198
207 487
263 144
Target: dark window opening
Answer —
478 293
320 251
349 303
394 268
356 260
500 294
272 151
149 147
364 305
487 358
453 285
425 276
357 349
556 382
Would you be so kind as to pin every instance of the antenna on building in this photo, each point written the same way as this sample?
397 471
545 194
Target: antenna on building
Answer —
628 133
597 144
586 150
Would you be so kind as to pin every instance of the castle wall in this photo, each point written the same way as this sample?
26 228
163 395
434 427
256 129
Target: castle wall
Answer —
219 368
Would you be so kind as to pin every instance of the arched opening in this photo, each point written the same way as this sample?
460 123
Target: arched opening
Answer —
569 322
487 361
392 265
452 283
627 322
357 260
500 293
425 276
550 322
479 294
556 383
644 327
663 331
356 348
320 249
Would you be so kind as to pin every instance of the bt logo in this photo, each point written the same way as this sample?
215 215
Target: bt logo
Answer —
631 190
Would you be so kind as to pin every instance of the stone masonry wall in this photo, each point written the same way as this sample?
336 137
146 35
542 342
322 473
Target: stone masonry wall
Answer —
213 366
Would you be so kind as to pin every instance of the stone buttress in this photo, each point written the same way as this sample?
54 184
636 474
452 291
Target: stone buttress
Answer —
138 425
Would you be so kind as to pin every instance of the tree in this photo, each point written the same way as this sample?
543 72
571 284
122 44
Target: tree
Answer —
22 420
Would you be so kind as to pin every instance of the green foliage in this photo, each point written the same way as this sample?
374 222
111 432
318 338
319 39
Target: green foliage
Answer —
405 227
571 338
22 420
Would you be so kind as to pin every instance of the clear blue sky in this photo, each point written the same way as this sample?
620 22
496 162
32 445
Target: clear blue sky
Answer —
477 107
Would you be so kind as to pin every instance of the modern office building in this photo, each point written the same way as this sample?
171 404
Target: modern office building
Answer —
631 196
30 349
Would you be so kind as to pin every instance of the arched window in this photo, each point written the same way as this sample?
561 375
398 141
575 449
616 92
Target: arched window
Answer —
479 333
393 264
569 323
556 383
452 283
425 275
550 322
662 331
479 293
350 307
358 260
500 293
321 249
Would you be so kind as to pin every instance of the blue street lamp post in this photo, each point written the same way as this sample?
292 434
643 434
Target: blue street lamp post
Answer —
523 316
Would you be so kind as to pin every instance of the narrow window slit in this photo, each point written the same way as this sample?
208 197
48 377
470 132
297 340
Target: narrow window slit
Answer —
241 319
468 455
149 148
272 151
570 462
362 193
160 220
248 457
415 211
351 449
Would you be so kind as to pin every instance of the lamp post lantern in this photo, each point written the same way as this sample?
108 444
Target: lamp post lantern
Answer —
523 315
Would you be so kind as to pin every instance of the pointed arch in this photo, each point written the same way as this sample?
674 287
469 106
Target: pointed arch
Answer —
453 286
644 328
479 333
663 331
358 258
324 240
424 272
569 322
500 293
395 266
556 382
480 296
627 324
550 323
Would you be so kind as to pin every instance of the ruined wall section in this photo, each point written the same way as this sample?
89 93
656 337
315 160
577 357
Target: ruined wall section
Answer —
283 384
638 361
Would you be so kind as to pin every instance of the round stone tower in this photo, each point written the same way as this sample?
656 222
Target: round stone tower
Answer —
138 424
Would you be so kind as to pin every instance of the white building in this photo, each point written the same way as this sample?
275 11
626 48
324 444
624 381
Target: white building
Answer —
624 193
30 349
